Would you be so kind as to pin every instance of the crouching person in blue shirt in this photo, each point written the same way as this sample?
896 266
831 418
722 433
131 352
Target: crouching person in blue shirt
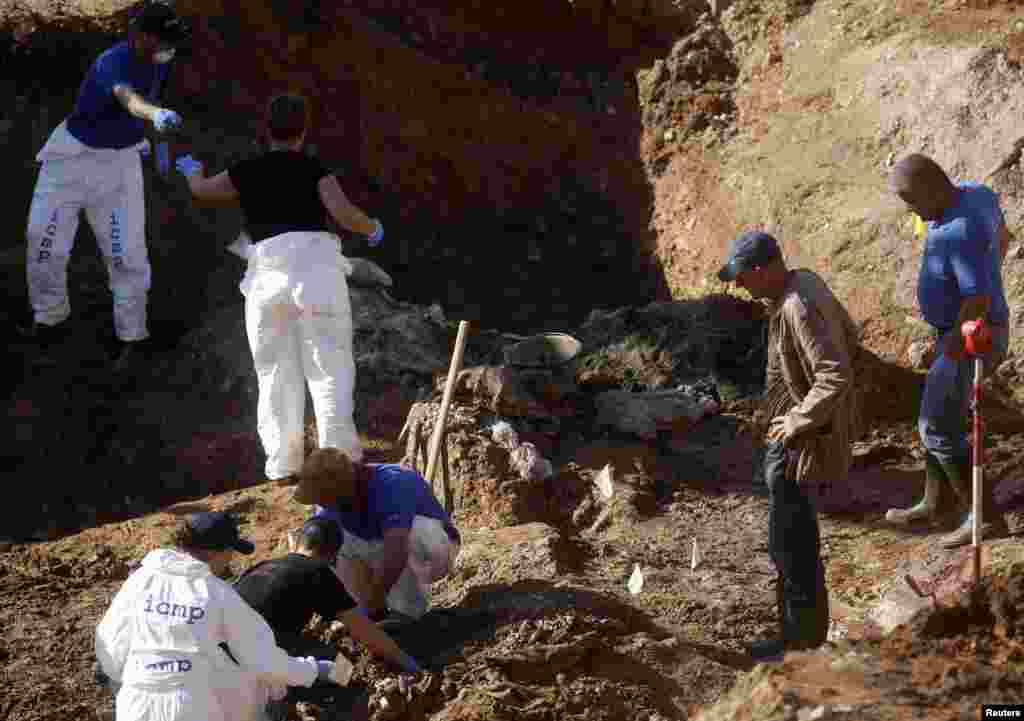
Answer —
397 538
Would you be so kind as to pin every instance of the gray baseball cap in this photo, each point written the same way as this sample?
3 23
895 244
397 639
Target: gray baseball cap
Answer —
751 250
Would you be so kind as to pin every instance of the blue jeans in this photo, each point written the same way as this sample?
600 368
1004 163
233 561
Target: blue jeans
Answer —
794 541
794 544
942 421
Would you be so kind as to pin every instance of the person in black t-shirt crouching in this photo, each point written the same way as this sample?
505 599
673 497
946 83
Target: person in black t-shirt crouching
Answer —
297 313
287 591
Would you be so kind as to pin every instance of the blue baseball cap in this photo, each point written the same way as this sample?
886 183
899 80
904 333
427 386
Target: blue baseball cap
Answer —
159 19
322 534
751 250
218 531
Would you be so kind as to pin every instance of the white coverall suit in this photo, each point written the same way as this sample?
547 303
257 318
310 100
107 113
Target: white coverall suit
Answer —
159 641
299 322
108 185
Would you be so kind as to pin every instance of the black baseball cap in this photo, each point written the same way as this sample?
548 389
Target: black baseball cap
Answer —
160 20
751 250
321 534
218 531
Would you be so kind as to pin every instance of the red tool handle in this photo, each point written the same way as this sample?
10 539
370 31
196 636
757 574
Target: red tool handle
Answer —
977 337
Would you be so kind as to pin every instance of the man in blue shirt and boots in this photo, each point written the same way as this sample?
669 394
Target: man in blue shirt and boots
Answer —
92 162
397 538
960 280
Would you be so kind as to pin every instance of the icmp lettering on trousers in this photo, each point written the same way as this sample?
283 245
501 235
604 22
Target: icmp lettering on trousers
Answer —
190 614
174 665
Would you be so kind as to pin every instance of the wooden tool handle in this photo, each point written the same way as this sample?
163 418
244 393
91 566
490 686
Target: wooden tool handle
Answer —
449 388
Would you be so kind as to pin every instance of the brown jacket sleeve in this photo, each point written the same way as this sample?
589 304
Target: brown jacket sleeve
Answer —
825 362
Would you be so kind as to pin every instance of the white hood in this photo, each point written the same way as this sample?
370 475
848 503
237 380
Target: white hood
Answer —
174 562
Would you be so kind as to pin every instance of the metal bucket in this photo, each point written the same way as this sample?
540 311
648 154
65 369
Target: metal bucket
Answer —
547 350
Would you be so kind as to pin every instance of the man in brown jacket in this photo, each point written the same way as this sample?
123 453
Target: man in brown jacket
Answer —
813 408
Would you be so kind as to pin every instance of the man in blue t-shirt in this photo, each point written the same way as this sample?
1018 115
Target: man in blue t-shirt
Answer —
960 280
398 539
91 162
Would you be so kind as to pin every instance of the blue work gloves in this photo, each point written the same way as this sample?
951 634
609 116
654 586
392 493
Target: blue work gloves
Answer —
165 120
377 236
188 166
324 670
163 158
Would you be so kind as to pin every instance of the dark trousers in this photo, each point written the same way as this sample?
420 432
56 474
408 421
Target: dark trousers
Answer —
794 544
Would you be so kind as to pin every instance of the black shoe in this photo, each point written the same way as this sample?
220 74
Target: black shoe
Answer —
46 338
768 651
132 355
43 333
395 621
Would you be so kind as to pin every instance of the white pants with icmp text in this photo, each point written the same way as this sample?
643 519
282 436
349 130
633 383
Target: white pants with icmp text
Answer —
107 184
299 323
432 556
231 695
177 704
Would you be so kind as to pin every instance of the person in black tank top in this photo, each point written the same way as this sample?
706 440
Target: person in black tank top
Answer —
287 591
297 313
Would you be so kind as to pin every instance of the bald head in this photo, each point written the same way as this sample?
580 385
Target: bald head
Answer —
922 185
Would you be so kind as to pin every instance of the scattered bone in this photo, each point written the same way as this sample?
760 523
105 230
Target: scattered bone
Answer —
603 481
636 581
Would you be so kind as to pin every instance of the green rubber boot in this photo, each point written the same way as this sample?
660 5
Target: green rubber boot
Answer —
993 523
928 508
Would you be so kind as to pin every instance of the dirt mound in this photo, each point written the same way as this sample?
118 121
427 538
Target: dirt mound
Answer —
687 92
994 610
943 665
663 345
489 483
560 651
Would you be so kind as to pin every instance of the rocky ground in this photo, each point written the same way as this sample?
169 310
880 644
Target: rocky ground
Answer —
539 620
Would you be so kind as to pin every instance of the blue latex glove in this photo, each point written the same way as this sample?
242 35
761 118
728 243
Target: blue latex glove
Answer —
188 166
163 158
377 236
166 120
324 669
